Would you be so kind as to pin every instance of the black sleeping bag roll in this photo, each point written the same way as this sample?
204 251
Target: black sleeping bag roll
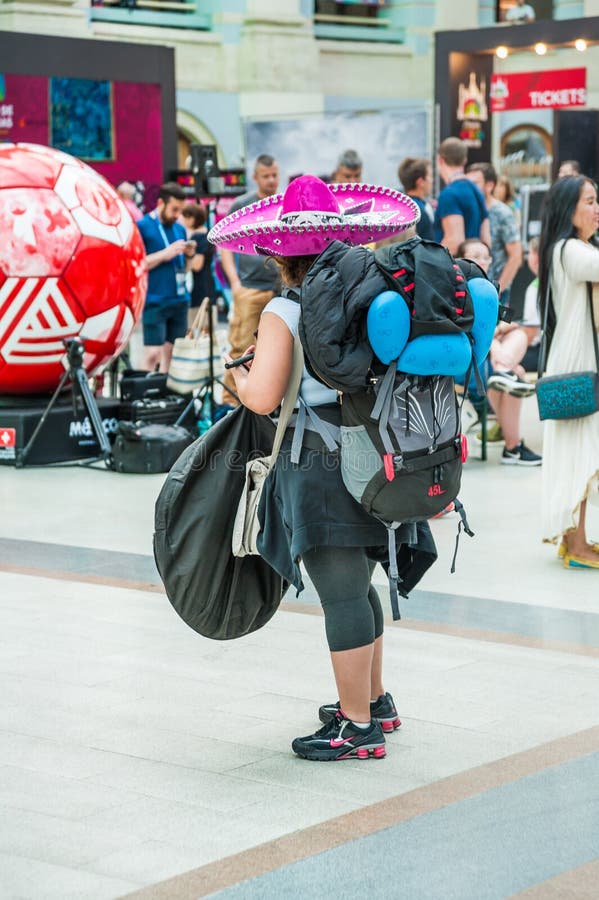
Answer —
217 594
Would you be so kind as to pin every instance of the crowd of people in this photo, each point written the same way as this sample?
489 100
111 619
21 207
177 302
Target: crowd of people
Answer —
476 217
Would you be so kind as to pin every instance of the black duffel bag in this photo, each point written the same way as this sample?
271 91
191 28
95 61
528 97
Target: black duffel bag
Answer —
147 449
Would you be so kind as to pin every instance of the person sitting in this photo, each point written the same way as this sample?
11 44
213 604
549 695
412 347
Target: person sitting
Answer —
531 320
505 376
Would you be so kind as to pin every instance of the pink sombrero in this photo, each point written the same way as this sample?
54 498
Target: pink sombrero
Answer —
310 214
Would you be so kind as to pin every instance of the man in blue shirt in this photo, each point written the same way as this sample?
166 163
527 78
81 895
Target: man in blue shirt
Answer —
168 256
416 177
461 211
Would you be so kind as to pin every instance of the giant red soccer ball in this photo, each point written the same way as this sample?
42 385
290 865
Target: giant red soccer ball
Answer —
71 265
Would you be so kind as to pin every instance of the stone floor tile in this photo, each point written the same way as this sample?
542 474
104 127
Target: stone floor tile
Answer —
48 838
54 795
29 879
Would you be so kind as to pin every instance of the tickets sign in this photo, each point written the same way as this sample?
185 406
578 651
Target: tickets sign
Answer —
554 89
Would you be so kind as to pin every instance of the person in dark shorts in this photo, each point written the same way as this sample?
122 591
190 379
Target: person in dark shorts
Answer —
168 257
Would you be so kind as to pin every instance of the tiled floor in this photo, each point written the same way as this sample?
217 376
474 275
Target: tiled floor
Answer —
137 757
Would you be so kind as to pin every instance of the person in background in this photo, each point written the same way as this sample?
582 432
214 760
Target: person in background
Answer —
416 177
568 260
531 321
568 167
193 218
168 257
349 168
253 279
461 211
126 192
520 14
504 192
505 384
506 246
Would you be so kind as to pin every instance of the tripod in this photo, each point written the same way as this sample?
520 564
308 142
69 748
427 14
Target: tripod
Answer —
79 384
207 391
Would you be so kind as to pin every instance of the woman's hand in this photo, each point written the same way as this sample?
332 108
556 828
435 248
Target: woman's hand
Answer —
240 373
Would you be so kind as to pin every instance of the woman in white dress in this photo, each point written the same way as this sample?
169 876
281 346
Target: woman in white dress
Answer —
569 258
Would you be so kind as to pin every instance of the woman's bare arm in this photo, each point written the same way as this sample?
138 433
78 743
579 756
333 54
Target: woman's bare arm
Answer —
263 387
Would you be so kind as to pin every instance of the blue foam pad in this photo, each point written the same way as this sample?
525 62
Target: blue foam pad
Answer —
388 324
436 354
485 300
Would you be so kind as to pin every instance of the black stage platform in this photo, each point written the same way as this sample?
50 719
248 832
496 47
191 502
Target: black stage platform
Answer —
65 436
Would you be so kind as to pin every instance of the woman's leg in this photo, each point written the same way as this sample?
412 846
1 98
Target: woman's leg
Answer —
376 669
576 540
507 409
341 576
509 350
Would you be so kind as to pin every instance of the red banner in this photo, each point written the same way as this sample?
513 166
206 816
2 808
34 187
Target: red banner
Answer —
555 89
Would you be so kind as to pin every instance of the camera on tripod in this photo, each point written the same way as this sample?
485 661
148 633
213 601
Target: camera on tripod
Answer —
204 167
75 348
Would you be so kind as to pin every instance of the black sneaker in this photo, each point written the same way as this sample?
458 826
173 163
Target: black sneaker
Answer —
341 739
382 711
510 383
520 455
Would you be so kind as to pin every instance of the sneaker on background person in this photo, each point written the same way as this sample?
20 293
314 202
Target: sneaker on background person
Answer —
510 383
520 455
342 739
382 710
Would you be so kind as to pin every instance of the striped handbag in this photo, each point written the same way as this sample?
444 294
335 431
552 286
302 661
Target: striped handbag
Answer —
190 363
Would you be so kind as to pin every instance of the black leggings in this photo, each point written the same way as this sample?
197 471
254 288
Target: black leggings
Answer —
353 614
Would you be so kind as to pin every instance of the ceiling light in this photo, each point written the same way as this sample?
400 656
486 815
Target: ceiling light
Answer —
540 49
580 45
501 52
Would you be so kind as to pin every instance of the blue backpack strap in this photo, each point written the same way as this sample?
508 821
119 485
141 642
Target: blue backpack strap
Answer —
330 434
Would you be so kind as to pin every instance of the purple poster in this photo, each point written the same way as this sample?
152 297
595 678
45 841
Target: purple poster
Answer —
125 142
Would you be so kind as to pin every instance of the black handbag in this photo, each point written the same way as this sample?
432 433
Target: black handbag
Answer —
574 394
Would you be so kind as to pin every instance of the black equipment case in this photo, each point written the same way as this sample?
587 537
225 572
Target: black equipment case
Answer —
137 383
148 449
156 411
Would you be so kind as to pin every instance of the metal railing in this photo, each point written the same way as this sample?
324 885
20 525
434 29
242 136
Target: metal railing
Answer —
165 13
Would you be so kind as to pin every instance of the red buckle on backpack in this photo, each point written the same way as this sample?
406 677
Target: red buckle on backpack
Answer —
464 441
389 467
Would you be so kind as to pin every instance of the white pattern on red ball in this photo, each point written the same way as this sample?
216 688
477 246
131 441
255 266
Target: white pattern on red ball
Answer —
72 263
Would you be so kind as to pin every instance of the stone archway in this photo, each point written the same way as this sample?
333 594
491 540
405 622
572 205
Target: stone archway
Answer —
191 130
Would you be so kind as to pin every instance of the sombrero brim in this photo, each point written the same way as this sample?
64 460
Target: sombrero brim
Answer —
368 213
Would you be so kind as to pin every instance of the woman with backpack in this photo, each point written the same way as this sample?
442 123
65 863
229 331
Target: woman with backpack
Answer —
569 262
306 512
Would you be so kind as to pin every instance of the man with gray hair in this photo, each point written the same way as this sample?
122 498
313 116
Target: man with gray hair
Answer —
349 168
252 279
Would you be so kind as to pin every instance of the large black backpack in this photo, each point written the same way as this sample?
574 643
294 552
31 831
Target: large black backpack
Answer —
432 283
402 453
